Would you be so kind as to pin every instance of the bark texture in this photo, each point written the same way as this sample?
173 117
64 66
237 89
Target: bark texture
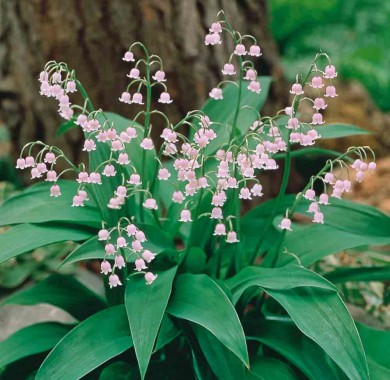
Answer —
92 35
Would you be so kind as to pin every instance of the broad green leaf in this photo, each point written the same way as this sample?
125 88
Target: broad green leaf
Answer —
117 371
288 341
31 340
339 275
324 318
35 205
26 237
289 277
376 344
197 298
65 127
62 291
223 111
145 317
195 260
158 239
254 222
331 131
91 249
354 217
168 332
347 225
90 344
222 361
263 368
323 240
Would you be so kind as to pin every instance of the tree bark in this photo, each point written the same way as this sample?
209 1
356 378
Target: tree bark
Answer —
92 35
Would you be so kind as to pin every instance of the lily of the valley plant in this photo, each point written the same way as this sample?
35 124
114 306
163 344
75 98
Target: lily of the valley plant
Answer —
194 287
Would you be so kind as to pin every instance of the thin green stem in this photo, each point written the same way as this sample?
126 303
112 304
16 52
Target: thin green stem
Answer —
84 94
195 220
146 128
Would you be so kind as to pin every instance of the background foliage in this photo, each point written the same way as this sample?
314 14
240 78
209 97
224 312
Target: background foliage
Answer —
355 33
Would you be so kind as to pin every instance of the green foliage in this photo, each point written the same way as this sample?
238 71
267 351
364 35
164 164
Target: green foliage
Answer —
324 318
292 344
31 340
34 205
145 318
26 237
91 343
62 291
270 369
376 343
197 298
355 33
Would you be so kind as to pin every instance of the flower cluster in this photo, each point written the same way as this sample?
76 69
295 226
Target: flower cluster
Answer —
54 85
117 249
337 186
303 133
240 50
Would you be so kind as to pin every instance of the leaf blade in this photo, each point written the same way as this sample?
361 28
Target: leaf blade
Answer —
31 340
324 318
197 298
90 344
145 319
62 291
35 236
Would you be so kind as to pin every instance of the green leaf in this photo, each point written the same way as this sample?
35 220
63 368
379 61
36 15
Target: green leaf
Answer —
197 298
222 361
324 240
223 111
359 274
324 318
116 371
31 340
35 205
168 332
26 237
376 344
288 341
254 221
145 317
91 249
90 344
158 240
65 127
63 291
263 368
283 278
195 261
347 225
331 131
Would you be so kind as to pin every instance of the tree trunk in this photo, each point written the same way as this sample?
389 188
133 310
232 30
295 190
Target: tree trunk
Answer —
92 35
